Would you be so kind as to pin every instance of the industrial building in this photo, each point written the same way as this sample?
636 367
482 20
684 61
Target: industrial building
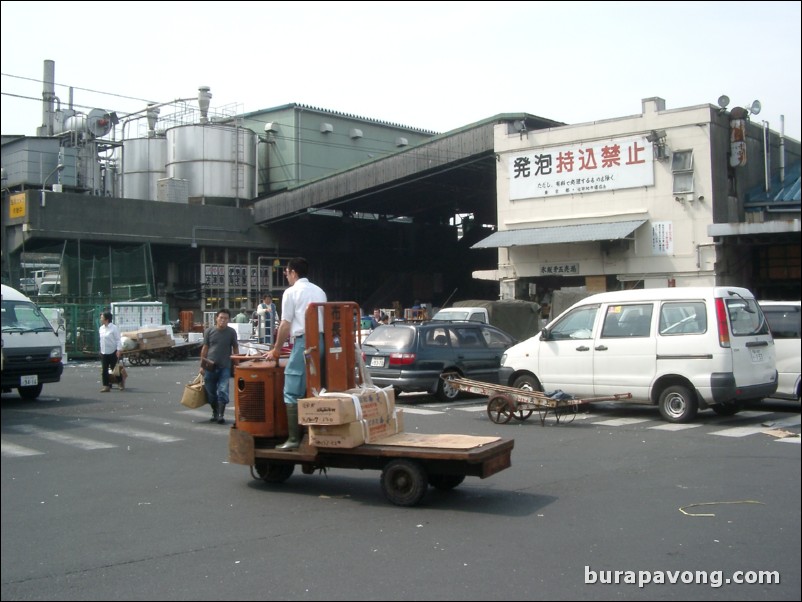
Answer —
198 208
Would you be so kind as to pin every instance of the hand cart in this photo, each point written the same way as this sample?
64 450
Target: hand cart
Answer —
505 403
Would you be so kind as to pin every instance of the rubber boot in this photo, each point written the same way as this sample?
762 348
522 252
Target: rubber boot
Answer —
214 412
221 413
294 439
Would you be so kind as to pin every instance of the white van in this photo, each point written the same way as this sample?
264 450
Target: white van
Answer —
31 350
680 348
784 321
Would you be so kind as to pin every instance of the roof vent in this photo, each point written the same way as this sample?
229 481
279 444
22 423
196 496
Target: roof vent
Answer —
400 141
326 128
355 133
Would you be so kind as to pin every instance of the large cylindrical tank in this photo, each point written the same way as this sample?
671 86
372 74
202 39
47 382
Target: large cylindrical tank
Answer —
217 160
144 164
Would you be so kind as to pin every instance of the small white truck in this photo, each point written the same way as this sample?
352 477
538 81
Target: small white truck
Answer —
521 319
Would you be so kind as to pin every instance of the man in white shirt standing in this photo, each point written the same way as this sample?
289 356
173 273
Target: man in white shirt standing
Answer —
111 349
293 323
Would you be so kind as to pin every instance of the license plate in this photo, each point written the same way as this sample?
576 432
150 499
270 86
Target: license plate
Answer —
377 362
757 355
29 381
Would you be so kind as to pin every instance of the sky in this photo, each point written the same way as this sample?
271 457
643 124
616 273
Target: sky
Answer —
434 66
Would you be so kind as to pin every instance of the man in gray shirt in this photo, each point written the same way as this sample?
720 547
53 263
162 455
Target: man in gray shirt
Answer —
219 344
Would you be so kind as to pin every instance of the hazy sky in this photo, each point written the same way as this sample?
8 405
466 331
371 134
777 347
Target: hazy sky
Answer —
430 65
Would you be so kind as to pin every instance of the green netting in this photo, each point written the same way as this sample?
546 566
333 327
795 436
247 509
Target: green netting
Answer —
94 274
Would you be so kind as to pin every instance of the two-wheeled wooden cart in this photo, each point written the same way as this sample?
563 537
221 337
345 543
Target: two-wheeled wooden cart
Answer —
142 357
505 403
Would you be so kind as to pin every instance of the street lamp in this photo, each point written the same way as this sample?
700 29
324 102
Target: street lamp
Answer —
58 167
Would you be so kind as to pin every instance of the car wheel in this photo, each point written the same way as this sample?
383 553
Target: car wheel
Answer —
678 404
527 383
446 391
30 392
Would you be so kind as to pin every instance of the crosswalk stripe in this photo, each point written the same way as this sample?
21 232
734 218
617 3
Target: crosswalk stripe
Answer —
743 431
673 426
59 437
790 440
12 450
421 411
472 409
128 432
621 421
186 426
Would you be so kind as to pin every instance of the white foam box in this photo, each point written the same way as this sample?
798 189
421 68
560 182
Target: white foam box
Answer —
342 407
354 434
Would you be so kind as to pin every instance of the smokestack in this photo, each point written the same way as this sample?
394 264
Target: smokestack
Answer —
204 97
48 97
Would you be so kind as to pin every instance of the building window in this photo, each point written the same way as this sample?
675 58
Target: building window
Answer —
682 168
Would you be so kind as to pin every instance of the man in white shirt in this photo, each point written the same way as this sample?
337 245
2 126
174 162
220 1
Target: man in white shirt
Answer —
293 323
111 349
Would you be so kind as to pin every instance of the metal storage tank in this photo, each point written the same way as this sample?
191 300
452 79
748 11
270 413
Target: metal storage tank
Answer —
218 160
144 164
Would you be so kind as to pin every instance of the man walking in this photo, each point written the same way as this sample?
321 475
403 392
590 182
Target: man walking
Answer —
219 344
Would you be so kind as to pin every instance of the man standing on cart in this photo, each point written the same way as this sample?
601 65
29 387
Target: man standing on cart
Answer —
294 302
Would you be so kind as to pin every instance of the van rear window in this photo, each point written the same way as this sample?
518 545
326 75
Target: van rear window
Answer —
746 318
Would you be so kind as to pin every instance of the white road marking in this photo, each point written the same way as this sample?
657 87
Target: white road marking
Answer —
12 450
128 431
60 437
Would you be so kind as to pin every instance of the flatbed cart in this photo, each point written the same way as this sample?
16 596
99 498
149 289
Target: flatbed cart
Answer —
409 462
505 403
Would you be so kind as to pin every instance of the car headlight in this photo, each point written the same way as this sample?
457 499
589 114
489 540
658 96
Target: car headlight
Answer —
503 358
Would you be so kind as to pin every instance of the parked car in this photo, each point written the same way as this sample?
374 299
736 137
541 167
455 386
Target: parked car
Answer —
784 321
411 356
683 349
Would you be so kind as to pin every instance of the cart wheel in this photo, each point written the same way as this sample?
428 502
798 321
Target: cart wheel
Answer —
135 360
146 360
499 409
566 413
522 414
274 472
445 482
404 482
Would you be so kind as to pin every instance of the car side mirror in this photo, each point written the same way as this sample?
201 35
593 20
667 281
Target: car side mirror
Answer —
545 335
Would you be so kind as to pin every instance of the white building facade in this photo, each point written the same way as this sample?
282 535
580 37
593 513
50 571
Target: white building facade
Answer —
619 203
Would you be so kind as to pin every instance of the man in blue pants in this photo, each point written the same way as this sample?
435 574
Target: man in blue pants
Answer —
294 302
219 344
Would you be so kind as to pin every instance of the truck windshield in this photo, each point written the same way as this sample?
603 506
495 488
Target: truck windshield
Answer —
22 316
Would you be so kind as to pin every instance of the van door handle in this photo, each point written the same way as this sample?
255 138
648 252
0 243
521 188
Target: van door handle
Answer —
757 344
601 348
583 348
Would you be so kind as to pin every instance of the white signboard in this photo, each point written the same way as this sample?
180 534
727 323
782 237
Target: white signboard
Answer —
662 238
582 168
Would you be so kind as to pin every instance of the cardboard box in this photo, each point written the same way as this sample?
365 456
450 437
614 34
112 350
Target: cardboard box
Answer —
354 434
149 333
156 342
347 406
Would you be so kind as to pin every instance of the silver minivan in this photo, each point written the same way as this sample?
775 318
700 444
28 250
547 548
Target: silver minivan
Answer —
683 349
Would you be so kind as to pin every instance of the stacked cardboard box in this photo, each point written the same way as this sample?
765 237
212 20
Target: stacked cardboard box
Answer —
151 338
350 418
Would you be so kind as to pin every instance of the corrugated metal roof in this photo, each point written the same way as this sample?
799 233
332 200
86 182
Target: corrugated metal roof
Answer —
779 195
560 234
